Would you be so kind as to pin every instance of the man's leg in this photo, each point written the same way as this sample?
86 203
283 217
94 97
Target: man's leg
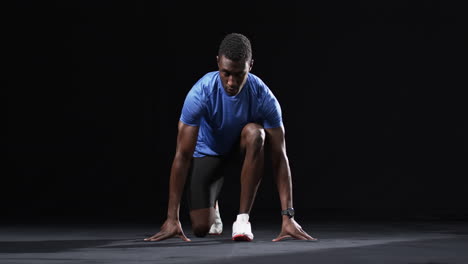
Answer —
252 145
202 219
205 182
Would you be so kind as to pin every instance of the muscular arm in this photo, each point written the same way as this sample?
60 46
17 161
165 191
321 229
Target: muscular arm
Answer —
186 141
281 170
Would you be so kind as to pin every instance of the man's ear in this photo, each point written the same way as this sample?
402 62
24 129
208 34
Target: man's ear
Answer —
251 64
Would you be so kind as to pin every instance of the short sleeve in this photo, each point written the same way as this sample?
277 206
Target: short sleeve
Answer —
271 110
193 107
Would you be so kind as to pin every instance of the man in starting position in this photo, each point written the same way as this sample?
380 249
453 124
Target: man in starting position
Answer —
226 111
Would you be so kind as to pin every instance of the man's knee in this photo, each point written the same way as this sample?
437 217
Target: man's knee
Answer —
253 135
201 219
200 230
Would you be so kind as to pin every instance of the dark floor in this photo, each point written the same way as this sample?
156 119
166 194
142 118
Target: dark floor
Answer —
423 242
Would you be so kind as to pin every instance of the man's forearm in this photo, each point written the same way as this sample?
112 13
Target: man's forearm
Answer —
284 182
179 171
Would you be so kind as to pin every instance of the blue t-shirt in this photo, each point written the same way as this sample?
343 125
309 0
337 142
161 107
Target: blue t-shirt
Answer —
222 117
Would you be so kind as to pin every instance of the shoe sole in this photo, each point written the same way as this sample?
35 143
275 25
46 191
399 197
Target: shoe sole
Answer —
214 234
241 238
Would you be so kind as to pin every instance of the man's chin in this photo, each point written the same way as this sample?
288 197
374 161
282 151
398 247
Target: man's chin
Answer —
232 92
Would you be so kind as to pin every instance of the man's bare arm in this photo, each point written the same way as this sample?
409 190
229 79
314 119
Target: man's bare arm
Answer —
281 170
186 141
282 174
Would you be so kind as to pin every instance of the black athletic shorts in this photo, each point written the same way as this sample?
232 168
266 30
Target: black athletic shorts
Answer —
206 177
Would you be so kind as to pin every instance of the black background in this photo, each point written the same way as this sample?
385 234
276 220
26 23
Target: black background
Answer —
371 93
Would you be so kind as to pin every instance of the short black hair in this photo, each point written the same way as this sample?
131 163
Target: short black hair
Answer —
236 47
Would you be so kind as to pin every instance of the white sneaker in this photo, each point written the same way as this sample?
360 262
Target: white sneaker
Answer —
241 229
217 226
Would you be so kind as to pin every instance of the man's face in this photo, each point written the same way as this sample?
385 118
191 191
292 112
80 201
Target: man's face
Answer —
233 74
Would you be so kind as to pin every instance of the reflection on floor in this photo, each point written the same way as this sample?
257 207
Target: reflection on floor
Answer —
338 242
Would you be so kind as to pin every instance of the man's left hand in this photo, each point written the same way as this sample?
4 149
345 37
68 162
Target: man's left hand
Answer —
291 228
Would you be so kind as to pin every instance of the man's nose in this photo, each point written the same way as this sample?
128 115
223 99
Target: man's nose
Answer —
231 81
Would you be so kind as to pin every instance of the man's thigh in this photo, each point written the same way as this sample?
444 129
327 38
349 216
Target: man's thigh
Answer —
205 181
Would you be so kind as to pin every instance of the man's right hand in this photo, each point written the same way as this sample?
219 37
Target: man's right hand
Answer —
170 228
